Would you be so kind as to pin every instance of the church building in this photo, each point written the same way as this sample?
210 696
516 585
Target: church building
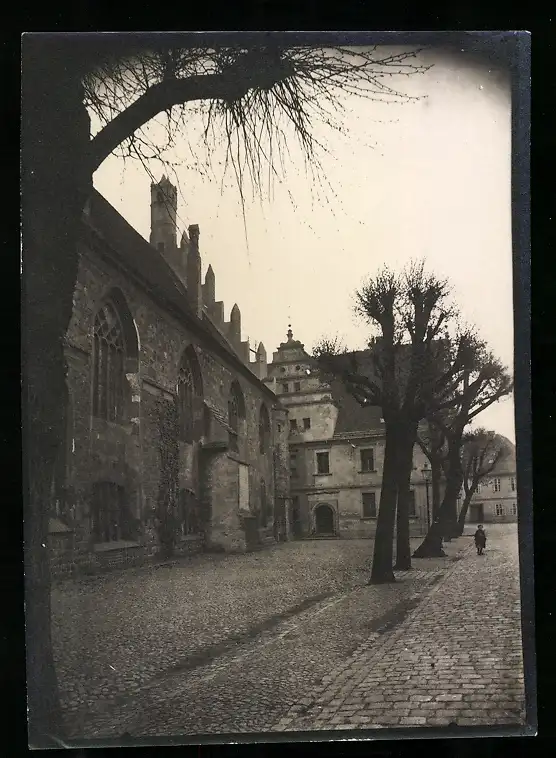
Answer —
174 443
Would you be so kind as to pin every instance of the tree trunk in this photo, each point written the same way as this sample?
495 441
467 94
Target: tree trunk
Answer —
463 514
404 468
384 537
55 134
445 524
431 546
454 480
436 476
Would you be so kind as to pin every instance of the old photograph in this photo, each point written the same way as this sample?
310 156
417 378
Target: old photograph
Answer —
271 483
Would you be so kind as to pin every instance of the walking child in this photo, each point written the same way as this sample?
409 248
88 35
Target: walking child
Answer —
480 539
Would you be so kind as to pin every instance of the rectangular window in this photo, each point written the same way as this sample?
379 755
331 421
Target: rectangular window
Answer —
297 386
369 504
293 425
496 485
512 485
499 509
323 463
514 509
306 423
411 509
368 459
293 464
285 388
478 490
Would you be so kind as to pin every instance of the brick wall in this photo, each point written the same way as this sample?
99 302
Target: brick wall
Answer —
128 453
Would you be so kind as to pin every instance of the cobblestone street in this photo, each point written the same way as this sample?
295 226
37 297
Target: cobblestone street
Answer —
317 649
456 658
114 633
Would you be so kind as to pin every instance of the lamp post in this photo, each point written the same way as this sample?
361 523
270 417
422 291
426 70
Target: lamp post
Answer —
427 478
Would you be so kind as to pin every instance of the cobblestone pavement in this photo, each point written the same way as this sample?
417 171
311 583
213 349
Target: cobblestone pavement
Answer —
114 634
455 659
442 645
247 686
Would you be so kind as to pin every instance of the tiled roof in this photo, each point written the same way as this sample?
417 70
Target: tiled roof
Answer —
352 417
138 255
219 415
55 526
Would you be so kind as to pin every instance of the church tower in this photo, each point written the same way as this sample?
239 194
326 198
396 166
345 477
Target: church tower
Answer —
164 206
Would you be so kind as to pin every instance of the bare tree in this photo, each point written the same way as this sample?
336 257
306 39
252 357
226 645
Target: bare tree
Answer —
432 442
246 94
481 452
482 382
410 372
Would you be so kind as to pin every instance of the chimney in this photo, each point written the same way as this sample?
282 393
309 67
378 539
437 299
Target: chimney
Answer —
164 205
261 367
194 288
209 289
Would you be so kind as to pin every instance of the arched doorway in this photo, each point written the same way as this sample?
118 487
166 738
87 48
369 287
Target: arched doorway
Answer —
324 520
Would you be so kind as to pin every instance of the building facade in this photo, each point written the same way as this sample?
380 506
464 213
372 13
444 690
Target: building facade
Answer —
172 437
336 452
495 500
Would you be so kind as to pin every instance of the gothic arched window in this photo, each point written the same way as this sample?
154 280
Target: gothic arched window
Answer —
236 412
264 429
189 390
108 364
186 395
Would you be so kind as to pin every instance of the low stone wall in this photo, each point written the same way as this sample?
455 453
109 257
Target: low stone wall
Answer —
66 561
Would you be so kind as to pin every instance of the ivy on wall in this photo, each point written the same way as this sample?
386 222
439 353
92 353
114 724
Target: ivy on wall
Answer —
167 517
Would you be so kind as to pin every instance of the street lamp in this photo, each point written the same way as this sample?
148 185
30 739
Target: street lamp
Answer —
427 478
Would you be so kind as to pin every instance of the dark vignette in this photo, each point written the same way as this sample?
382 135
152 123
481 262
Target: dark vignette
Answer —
509 52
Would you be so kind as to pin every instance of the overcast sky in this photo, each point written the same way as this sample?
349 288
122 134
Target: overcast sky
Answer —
426 179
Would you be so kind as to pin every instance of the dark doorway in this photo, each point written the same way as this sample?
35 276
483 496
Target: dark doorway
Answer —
324 520
295 518
477 513
251 531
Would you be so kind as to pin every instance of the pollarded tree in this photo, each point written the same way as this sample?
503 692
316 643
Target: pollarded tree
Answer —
432 442
246 93
481 452
483 382
410 372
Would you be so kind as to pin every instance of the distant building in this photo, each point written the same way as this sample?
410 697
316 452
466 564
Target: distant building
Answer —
496 497
165 404
336 450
